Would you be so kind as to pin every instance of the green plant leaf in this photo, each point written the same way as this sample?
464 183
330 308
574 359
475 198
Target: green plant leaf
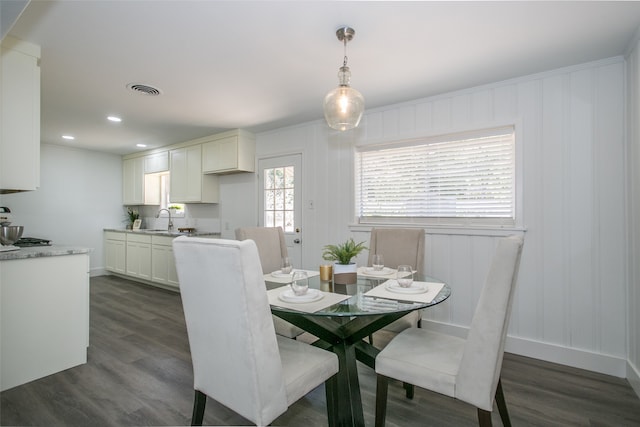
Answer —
343 253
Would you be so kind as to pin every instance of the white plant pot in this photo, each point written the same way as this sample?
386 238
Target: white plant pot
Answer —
345 274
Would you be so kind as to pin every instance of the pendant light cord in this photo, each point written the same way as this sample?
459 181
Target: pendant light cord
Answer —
344 64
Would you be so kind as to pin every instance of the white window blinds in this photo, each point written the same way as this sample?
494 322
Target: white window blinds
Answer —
458 176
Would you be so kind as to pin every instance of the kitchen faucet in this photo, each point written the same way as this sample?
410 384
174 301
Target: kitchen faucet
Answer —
170 224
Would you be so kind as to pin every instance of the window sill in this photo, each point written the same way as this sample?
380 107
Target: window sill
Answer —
493 231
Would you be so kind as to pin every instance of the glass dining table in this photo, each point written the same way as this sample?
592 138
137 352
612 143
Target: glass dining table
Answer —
342 327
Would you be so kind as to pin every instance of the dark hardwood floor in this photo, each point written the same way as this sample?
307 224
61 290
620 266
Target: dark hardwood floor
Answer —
139 373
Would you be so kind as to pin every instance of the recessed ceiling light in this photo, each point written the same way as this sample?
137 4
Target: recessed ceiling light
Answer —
68 137
114 119
141 145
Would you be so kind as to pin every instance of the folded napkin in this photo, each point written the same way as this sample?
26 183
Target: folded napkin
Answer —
278 278
381 291
328 298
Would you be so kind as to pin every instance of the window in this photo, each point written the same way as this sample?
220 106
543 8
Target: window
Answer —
463 179
177 209
279 197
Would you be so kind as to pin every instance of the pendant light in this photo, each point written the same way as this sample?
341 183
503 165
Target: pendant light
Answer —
343 106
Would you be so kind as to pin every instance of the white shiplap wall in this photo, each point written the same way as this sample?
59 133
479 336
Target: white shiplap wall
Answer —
570 306
633 179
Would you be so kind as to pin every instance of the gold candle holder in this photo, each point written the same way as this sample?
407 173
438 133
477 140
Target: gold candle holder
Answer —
326 272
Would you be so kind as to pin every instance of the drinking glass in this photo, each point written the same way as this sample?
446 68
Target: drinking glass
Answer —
377 262
285 266
405 276
300 283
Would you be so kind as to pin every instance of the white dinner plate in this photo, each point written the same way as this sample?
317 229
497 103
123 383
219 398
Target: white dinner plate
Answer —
312 295
384 272
280 274
415 288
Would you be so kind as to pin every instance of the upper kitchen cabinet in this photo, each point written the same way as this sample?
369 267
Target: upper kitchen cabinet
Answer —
141 177
229 152
19 116
133 181
188 183
156 162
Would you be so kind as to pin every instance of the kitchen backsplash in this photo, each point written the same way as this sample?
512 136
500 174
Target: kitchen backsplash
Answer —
203 217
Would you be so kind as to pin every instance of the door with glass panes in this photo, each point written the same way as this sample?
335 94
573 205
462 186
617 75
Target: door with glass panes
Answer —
280 200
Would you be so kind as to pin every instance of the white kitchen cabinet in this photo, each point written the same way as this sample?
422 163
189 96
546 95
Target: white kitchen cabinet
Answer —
156 162
115 252
19 116
156 165
163 264
229 154
44 316
188 183
138 256
141 178
133 181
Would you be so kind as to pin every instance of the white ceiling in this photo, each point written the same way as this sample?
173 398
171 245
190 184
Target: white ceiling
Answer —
261 65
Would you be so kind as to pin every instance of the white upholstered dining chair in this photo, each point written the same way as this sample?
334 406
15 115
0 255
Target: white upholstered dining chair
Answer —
271 248
399 246
238 359
270 242
465 369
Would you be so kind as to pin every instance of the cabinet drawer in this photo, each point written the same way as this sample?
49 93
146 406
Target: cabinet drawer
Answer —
162 240
138 238
114 235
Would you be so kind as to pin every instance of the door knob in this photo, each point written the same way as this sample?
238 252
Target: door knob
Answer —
296 241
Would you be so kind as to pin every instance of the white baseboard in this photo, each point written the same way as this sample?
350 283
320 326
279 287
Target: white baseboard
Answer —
633 376
93 272
583 359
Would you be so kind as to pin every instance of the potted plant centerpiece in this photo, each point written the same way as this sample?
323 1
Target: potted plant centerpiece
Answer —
344 271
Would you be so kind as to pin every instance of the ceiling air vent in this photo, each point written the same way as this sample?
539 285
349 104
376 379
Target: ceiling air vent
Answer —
143 89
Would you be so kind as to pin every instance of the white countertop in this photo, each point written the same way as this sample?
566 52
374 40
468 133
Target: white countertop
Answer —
43 251
164 232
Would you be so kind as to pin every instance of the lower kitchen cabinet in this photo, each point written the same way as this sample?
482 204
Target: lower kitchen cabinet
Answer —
163 265
44 316
115 252
144 257
138 256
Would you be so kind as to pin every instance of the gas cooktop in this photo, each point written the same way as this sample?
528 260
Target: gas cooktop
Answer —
25 242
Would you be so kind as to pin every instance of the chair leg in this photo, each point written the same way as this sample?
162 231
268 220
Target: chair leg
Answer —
371 339
199 403
502 405
382 386
484 418
409 389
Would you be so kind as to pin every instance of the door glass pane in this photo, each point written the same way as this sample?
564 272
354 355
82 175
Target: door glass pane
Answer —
279 196
278 177
288 199
269 178
279 200
268 219
288 220
269 200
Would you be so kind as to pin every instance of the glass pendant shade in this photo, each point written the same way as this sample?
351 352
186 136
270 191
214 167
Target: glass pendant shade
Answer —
343 106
